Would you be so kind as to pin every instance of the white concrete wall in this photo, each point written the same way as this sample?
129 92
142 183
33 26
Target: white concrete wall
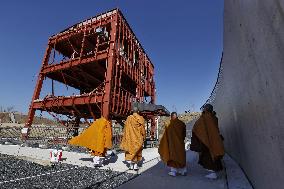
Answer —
250 99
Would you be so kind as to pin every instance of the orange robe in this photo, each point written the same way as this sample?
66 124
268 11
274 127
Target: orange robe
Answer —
97 137
207 141
172 146
134 135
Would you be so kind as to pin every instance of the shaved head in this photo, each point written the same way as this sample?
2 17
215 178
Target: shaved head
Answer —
135 109
173 115
208 108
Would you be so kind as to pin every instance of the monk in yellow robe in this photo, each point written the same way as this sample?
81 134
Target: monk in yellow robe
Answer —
97 138
207 141
134 135
172 146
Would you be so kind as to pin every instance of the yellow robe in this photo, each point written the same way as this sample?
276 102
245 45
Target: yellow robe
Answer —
97 137
207 131
134 135
172 146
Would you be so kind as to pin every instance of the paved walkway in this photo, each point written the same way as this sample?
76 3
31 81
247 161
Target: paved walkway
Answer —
157 177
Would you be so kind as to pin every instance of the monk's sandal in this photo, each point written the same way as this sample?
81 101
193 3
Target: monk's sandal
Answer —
182 171
212 176
173 174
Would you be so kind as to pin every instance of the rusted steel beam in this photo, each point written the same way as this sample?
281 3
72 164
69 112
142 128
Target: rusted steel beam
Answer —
79 113
37 88
83 43
71 63
91 111
84 73
110 63
67 101
74 79
92 26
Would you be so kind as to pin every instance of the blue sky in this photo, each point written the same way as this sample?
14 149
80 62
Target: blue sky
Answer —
183 38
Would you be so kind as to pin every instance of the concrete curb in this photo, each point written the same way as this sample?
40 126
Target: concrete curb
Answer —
236 179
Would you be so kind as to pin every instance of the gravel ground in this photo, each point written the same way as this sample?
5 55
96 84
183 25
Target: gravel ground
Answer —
17 173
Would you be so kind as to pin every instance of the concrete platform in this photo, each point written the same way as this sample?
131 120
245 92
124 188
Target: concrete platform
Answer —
41 156
157 177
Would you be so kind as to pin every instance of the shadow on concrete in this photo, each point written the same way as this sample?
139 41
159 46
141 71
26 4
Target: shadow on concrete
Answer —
86 159
140 164
111 159
157 177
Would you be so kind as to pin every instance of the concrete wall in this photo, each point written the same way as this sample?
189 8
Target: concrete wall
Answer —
250 98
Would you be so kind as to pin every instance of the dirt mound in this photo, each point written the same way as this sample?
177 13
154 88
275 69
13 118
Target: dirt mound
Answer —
186 118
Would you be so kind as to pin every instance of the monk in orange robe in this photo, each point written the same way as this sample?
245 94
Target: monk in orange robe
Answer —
97 138
172 146
134 135
207 141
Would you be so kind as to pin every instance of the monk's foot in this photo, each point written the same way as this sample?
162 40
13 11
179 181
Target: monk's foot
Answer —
135 167
173 174
98 164
212 175
182 171
98 161
130 167
183 174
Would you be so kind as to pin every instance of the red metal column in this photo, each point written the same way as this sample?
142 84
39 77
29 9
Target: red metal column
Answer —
38 86
110 64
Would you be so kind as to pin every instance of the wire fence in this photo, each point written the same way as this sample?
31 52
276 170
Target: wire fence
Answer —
212 96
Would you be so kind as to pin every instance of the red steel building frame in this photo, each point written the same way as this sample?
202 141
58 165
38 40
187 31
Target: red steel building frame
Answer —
104 60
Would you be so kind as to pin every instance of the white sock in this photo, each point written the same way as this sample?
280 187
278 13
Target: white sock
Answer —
131 165
96 160
174 170
211 171
212 175
101 159
182 170
135 166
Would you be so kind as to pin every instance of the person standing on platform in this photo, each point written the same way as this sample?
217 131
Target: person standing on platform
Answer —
207 141
134 135
97 138
172 146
